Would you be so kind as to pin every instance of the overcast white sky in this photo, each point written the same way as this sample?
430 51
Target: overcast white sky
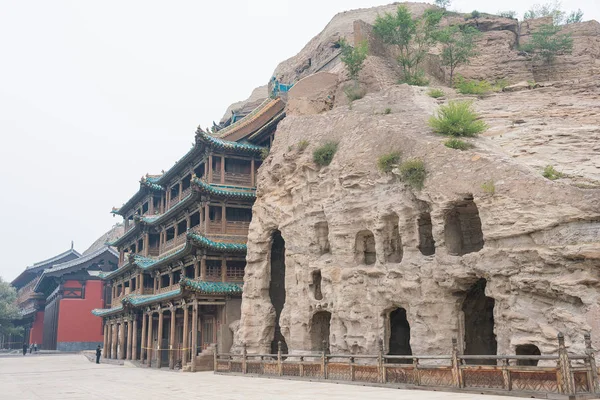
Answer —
94 94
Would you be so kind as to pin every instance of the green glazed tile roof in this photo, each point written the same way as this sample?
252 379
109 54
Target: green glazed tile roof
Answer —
211 287
217 143
219 246
140 300
101 312
145 182
239 193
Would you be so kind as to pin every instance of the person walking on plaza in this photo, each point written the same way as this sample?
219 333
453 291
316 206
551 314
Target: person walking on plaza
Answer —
98 354
24 348
35 347
31 348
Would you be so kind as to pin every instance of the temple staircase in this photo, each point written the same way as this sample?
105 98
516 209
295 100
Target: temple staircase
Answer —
204 361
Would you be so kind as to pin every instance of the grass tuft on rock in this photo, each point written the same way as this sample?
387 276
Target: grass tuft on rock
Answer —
458 144
323 155
436 93
489 187
354 92
551 173
457 118
413 173
302 145
387 162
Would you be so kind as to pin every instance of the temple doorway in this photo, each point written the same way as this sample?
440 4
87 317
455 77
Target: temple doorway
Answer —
399 341
479 337
277 287
319 331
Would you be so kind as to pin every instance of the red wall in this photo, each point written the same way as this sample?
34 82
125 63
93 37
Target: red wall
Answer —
76 323
36 334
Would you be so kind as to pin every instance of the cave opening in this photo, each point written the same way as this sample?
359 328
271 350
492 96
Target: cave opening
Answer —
479 337
528 350
364 248
316 284
319 331
393 244
277 287
399 341
462 230
322 231
426 241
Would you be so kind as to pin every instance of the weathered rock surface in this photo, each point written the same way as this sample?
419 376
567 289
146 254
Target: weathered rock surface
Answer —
537 244
114 233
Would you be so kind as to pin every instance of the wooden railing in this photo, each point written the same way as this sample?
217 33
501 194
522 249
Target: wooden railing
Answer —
171 244
232 178
564 375
239 228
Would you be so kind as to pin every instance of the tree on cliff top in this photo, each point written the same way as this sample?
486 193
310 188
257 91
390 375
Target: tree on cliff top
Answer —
413 37
458 46
546 43
559 17
8 309
353 57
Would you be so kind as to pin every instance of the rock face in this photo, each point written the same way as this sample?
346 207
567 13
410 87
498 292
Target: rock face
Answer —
114 233
489 251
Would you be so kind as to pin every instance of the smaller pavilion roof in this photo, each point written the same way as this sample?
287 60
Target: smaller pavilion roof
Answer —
203 287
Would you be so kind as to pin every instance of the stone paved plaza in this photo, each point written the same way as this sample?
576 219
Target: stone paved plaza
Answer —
68 377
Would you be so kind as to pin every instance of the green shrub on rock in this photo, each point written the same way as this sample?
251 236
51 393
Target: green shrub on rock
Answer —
387 161
436 93
457 118
323 155
413 172
458 144
551 173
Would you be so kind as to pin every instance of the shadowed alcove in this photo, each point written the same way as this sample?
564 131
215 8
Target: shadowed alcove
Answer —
277 286
528 350
462 229
399 340
319 331
479 334
393 242
364 248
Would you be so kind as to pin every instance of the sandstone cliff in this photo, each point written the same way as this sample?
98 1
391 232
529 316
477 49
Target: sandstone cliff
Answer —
536 242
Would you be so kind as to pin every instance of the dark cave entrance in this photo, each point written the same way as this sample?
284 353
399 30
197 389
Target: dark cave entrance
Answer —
277 287
479 334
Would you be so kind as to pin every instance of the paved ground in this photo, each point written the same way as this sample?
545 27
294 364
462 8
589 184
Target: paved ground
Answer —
70 377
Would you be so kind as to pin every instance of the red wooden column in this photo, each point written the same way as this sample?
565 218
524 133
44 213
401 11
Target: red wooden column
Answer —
206 217
142 349
203 268
210 168
172 338
114 337
223 218
159 339
149 344
223 270
194 333
222 170
121 349
129 339
104 349
134 342
252 173
184 356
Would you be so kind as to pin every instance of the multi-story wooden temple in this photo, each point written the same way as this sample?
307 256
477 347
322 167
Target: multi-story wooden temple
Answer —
182 256
55 298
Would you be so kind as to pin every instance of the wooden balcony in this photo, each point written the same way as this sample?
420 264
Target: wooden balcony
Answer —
237 228
238 179
232 178
173 243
